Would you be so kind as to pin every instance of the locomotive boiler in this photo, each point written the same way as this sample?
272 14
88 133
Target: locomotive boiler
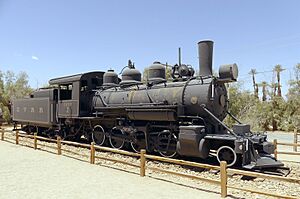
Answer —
178 116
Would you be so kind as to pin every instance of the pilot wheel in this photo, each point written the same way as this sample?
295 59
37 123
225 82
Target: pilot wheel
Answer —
226 153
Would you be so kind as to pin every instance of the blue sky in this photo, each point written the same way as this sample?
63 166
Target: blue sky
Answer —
52 38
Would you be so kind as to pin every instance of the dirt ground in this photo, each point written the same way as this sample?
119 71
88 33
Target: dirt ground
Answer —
26 173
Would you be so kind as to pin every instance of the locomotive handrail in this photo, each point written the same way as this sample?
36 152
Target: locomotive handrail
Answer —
183 90
102 100
118 106
148 109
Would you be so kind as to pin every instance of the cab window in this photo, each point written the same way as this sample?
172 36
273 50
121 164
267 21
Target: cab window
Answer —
83 85
96 82
65 92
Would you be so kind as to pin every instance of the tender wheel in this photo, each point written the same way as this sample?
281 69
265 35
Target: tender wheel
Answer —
116 141
167 144
140 142
98 135
226 153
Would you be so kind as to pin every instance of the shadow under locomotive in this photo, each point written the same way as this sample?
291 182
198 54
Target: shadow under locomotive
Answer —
182 116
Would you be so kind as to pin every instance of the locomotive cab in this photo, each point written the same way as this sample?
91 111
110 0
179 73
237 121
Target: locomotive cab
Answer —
74 93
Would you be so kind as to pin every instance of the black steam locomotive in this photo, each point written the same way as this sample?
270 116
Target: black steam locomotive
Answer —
182 116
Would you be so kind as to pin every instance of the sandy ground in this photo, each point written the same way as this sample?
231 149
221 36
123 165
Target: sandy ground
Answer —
26 173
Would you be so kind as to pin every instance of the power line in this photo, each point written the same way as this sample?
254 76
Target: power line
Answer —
266 71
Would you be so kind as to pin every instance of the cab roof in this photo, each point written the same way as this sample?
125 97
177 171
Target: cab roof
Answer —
76 77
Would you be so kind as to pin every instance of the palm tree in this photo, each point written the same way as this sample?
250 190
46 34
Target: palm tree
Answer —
256 90
264 90
264 85
278 69
274 89
253 73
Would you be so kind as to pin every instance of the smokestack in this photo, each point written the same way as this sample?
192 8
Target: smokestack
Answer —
205 50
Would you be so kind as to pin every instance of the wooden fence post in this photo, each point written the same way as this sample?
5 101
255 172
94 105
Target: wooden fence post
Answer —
2 134
92 157
17 137
295 139
275 148
143 163
58 145
35 141
223 177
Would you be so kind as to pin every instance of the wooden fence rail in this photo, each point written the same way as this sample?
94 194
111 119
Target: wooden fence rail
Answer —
223 182
294 145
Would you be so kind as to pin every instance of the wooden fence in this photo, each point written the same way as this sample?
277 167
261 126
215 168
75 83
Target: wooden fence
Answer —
224 171
295 145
